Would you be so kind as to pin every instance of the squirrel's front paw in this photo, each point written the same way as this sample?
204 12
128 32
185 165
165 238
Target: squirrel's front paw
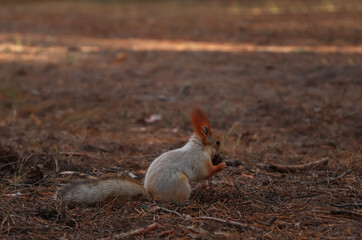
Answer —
221 166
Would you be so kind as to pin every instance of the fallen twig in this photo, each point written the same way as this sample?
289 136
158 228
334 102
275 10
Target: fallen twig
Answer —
133 233
294 168
239 224
6 164
154 208
165 233
170 211
335 179
2 223
358 180
271 220
244 225
39 236
80 154
346 213
46 176
73 172
347 205
141 157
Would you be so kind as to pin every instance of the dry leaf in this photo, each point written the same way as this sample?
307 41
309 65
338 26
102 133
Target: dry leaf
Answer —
153 118
36 120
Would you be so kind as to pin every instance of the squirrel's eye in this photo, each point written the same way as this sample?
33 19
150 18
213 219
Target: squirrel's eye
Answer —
217 142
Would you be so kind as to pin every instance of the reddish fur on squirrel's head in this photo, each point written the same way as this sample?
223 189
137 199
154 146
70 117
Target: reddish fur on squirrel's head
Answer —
201 124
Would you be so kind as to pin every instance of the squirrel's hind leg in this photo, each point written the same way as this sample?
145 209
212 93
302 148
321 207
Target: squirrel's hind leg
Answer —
175 188
184 191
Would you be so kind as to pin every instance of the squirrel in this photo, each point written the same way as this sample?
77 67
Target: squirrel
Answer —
167 178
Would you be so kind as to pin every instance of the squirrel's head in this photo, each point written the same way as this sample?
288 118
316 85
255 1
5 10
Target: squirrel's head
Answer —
201 125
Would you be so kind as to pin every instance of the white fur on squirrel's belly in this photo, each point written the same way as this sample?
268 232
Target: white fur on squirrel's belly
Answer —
98 190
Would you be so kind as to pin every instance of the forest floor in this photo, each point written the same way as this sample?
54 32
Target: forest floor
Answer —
93 88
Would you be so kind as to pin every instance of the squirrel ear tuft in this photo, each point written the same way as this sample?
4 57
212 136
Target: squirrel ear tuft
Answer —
201 124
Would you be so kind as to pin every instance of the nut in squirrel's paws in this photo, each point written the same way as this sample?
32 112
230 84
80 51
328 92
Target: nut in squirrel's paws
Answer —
216 160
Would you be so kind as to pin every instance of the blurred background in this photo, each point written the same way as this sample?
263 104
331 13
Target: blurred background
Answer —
105 86
121 76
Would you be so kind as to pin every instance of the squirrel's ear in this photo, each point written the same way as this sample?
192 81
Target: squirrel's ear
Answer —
201 124
205 130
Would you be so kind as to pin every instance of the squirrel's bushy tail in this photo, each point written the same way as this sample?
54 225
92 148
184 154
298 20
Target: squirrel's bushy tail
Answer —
94 190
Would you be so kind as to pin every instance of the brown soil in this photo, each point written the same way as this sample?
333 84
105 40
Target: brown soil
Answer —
103 87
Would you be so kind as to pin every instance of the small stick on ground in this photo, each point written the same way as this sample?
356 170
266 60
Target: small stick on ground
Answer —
351 214
239 224
335 179
81 154
6 164
294 168
165 233
358 180
133 233
271 220
170 211
244 225
347 205
73 173
141 157
156 207
2 223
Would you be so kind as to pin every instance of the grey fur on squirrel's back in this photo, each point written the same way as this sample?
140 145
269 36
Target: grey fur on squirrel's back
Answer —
94 190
